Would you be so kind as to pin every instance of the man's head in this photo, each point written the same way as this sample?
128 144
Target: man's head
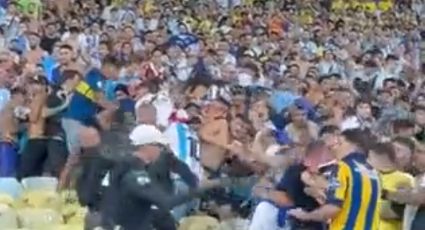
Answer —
298 116
351 140
329 135
363 109
419 158
419 112
70 79
34 39
218 108
317 155
18 96
146 114
12 7
104 49
383 156
403 128
404 148
50 29
110 67
240 126
37 84
148 141
66 53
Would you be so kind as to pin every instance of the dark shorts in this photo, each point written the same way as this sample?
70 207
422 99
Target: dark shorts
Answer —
43 155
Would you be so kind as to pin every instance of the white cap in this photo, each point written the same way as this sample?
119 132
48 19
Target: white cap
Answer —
146 134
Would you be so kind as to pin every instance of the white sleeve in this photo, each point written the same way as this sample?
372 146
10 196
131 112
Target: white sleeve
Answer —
350 123
171 134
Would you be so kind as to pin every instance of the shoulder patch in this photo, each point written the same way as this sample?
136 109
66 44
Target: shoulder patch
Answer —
142 178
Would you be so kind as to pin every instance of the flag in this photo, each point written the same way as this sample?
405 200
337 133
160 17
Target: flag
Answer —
183 40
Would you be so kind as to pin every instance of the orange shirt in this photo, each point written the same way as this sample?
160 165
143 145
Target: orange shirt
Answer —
275 25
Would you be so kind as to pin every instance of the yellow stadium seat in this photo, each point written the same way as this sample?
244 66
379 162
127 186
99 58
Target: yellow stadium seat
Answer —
40 199
40 183
66 227
69 197
6 199
73 214
11 187
8 218
199 223
38 218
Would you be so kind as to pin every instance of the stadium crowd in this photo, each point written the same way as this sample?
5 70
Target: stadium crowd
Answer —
313 109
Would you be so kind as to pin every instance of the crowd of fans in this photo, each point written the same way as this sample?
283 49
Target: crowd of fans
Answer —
323 101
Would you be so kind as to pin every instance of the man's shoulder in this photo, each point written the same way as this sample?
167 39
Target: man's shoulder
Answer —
397 177
93 72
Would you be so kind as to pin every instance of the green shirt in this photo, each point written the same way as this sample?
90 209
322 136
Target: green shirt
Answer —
31 7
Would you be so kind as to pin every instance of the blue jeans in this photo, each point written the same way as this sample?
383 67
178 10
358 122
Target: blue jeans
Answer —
182 211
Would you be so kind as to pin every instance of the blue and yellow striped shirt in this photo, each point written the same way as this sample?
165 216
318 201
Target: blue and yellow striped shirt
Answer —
354 187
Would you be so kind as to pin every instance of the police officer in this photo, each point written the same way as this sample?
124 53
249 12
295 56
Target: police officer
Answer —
162 169
137 195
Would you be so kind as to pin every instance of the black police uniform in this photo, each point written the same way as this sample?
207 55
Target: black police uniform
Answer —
160 172
137 198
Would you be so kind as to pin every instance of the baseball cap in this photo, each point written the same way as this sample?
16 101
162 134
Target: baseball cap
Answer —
145 135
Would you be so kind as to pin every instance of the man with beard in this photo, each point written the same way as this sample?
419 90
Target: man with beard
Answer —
50 38
65 59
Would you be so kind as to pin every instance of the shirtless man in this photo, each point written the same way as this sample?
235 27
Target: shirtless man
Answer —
36 53
214 134
9 125
36 149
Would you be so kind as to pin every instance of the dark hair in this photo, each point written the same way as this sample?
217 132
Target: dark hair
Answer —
391 57
399 124
123 88
106 43
74 29
418 107
384 148
406 142
17 90
111 60
38 79
390 80
67 47
192 105
329 129
362 138
70 74
362 101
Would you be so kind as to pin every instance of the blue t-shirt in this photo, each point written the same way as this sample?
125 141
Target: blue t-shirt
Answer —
109 89
51 69
56 75
83 106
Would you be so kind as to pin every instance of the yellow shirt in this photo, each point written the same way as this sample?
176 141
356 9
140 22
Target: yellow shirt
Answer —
355 188
31 7
390 181
370 6
338 5
385 5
